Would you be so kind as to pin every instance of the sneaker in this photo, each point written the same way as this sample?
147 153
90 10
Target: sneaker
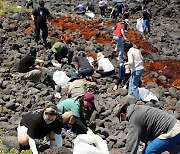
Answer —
115 87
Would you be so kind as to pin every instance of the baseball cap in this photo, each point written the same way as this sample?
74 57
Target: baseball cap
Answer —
89 98
51 110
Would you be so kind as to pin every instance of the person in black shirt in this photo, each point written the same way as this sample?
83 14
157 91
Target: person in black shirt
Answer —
126 12
39 123
26 67
83 65
39 16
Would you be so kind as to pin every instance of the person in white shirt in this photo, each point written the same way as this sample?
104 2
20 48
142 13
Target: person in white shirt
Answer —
135 61
105 67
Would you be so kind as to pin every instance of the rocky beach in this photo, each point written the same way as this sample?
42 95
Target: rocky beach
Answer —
160 50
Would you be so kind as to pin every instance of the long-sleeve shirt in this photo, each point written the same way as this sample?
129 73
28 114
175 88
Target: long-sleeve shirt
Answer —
145 124
135 59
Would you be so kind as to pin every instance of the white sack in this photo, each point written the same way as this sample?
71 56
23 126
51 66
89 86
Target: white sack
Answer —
139 25
90 144
90 14
61 79
146 95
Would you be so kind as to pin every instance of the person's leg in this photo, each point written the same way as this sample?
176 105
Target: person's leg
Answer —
58 57
79 127
87 72
144 26
120 47
148 26
70 56
136 75
37 32
130 87
158 146
44 33
103 74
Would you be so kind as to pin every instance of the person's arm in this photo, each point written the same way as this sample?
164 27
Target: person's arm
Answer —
49 55
100 67
122 31
130 58
133 139
32 17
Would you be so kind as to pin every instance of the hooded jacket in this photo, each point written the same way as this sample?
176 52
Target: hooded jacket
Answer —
145 124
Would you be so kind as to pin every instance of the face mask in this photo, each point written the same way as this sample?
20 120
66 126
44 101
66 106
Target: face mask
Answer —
47 120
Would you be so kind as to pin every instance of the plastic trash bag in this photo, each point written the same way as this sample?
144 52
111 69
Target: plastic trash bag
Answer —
146 95
90 14
139 25
90 144
61 79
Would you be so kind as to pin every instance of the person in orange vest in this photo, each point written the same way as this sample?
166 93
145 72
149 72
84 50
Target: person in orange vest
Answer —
119 36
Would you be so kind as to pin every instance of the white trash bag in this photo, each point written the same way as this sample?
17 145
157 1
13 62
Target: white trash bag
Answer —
90 14
61 79
90 144
139 25
146 95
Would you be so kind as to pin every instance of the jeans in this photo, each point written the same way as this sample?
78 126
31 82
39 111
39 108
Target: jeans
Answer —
134 83
87 72
119 46
157 146
146 24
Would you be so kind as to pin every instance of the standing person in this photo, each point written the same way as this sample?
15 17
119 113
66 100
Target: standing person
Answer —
83 66
118 36
60 51
27 69
102 6
39 17
39 123
135 61
126 12
146 20
159 130
105 67
75 107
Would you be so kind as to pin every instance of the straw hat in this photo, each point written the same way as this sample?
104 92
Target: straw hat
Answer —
127 21
99 55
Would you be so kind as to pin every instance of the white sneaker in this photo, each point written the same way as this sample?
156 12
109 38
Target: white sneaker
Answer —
115 87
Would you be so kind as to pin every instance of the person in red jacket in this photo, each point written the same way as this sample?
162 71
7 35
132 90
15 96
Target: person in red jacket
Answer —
119 36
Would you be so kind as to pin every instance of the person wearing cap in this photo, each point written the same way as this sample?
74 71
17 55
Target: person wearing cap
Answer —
76 107
159 130
105 67
26 67
79 86
39 123
118 36
83 66
60 50
39 17
135 62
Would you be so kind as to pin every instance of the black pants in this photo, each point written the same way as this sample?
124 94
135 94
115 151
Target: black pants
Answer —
104 74
80 126
125 79
102 9
43 27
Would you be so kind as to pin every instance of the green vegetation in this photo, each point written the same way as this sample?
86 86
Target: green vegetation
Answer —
7 8
14 151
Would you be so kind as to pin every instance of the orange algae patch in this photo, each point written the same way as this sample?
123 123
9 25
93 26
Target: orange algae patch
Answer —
29 29
140 42
169 68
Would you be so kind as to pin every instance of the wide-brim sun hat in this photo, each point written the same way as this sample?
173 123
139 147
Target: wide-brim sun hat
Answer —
100 55
74 76
127 21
